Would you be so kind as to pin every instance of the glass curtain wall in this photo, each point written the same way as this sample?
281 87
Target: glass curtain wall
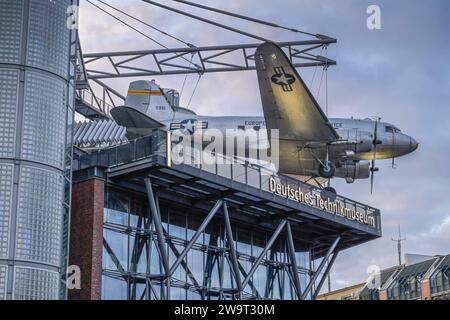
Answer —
132 268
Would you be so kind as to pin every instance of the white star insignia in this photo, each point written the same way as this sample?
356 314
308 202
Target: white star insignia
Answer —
281 79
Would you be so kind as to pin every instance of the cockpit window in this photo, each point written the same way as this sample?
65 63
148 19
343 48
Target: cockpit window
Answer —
391 129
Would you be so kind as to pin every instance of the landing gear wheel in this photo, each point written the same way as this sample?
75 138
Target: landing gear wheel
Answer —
328 193
327 170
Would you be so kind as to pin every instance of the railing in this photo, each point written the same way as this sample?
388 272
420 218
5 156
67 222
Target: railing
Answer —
134 150
86 97
240 171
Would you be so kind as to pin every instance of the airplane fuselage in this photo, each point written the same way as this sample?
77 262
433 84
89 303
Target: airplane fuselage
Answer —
350 153
356 132
309 142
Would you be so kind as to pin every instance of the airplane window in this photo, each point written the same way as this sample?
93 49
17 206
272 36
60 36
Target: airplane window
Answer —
392 129
241 127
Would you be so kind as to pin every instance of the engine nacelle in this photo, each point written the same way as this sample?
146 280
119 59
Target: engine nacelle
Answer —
353 170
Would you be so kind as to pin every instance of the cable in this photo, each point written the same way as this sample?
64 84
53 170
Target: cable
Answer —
195 89
159 30
315 71
185 78
320 84
326 80
147 24
130 26
206 20
270 24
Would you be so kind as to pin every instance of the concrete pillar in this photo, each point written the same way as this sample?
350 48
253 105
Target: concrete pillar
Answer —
86 237
36 116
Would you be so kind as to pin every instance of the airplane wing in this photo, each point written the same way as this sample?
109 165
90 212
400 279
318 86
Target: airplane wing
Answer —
287 103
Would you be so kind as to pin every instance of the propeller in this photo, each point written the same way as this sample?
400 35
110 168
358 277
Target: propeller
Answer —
375 143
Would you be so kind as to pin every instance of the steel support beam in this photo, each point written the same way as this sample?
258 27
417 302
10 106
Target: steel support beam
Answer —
197 234
209 267
156 217
183 264
325 274
250 283
263 253
293 260
231 244
205 59
319 269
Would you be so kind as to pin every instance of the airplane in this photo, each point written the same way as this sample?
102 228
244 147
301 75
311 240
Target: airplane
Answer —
310 144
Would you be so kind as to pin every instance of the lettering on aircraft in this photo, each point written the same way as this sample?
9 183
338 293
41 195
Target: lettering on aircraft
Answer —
255 123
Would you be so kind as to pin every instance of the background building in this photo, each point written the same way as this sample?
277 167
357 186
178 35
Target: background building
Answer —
420 278
348 293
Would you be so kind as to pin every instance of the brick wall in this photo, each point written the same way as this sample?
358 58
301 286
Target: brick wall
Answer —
86 237
425 289
383 295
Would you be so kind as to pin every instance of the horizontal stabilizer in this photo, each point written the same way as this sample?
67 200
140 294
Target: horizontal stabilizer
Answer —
137 123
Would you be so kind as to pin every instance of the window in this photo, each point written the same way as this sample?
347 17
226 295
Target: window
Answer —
392 129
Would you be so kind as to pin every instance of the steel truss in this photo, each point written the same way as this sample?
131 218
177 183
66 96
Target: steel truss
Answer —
157 286
203 59
96 103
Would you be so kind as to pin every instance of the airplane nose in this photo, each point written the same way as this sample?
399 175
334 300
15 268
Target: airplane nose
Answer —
413 144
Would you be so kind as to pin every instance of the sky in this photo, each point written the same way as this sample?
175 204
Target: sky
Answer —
399 73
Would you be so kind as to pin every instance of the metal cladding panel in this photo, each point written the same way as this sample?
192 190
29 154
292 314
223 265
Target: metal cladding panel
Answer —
9 80
10 35
35 284
3 275
44 115
98 134
6 185
39 216
48 48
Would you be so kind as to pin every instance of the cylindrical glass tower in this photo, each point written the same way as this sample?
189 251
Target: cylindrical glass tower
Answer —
36 116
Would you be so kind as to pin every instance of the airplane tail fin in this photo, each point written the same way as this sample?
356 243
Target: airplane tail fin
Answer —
146 107
149 99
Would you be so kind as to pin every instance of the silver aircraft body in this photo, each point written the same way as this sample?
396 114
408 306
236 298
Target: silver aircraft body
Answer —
310 144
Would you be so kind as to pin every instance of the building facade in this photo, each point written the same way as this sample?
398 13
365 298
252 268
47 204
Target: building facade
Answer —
36 107
426 278
348 293
144 228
